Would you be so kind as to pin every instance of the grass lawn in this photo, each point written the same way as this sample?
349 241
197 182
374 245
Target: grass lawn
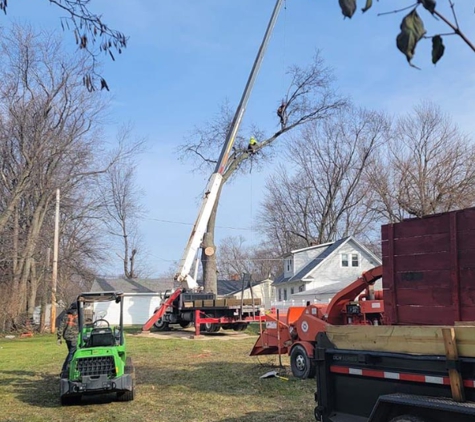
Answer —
207 380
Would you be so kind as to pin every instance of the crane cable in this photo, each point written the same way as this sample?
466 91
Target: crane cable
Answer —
284 50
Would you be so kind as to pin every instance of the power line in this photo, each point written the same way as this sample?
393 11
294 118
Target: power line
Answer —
191 224
220 260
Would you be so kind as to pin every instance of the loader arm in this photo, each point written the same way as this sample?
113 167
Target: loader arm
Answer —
340 300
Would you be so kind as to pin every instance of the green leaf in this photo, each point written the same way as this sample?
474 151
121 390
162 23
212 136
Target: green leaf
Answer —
348 7
412 30
438 48
369 3
429 5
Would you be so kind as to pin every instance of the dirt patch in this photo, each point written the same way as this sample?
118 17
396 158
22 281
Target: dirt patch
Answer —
189 334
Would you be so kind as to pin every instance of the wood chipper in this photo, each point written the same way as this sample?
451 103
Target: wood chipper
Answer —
294 333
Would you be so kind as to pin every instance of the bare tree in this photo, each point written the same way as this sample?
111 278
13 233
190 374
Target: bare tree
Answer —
119 197
235 258
426 168
310 97
49 139
92 35
326 198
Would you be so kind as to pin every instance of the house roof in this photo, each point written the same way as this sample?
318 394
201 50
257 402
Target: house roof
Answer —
308 248
331 289
127 285
314 263
319 259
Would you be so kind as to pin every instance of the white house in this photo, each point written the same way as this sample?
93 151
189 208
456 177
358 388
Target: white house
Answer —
141 298
318 272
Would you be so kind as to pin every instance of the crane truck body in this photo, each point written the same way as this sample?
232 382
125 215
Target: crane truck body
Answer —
185 305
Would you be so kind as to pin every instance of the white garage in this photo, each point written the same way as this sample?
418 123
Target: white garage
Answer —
141 298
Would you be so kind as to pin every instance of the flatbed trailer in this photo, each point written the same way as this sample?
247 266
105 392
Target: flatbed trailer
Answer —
360 379
205 312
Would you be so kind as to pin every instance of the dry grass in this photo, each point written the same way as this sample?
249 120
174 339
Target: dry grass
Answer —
177 380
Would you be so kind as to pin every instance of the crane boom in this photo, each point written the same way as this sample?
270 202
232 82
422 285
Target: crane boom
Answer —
216 179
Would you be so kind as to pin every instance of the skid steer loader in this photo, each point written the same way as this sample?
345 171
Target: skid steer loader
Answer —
100 364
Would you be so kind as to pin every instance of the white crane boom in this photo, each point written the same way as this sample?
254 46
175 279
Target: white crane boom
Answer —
215 181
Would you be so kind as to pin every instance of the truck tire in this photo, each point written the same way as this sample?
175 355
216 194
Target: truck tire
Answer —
185 324
209 327
301 365
161 325
240 326
128 395
407 418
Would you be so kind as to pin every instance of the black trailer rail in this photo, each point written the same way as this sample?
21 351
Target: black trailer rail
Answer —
362 386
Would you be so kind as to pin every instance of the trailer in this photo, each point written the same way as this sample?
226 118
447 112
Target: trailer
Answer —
207 313
395 374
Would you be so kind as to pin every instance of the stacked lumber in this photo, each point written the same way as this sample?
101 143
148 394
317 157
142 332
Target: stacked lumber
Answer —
419 340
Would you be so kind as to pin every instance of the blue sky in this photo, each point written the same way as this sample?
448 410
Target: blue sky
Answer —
185 57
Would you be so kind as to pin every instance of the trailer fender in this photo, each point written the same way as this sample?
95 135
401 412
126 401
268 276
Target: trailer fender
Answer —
400 407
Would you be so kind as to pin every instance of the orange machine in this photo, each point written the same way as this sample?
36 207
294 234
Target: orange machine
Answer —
294 333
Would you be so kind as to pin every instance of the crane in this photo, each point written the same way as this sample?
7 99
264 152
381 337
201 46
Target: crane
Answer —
195 240
216 179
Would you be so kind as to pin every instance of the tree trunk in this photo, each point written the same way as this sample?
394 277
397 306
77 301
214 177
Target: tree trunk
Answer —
33 289
209 263
24 267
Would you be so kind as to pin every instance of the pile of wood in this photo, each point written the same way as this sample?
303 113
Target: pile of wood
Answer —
419 340
223 303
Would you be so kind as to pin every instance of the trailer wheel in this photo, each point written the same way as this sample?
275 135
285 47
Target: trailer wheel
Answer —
161 325
407 418
185 324
209 327
240 326
301 365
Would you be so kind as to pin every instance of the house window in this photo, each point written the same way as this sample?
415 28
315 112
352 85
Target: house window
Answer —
344 260
288 265
285 294
291 290
302 288
280 295
355 260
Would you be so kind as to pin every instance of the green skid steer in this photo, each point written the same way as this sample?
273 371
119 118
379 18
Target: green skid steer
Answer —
100 364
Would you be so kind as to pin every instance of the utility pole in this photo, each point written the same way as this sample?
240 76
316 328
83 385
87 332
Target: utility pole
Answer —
55 265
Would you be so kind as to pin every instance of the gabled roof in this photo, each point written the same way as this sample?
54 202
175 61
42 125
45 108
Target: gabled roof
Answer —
314 263
330 288
319 259
127 285
308 248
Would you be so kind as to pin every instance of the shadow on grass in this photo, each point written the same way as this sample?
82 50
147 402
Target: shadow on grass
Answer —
280 416
215 377
34 388
42 390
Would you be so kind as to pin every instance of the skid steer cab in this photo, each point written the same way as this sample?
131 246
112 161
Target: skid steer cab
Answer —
100 364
